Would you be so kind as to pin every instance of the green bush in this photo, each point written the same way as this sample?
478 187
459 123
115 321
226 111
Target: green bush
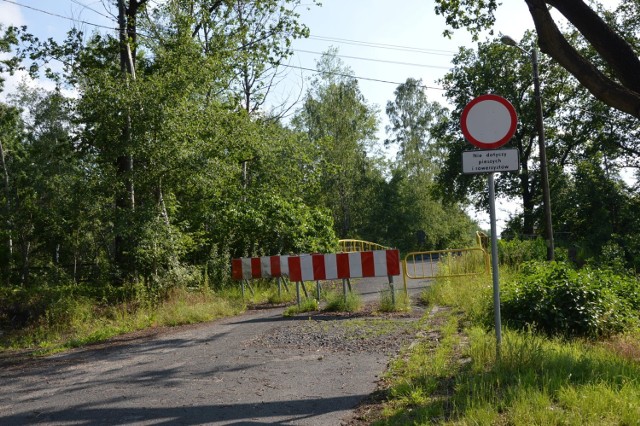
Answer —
556 299
399 302
514 252
306 305
337 302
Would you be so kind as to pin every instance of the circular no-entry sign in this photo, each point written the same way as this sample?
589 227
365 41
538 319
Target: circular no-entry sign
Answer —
488 121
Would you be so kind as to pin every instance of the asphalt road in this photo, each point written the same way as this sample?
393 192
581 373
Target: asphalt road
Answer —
214 373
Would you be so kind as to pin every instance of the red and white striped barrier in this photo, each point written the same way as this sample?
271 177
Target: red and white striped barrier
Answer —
259 267
313 267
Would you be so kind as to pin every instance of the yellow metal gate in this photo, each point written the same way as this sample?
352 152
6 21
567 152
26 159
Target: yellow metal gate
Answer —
447 263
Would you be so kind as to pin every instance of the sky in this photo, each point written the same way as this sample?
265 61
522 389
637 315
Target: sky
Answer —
383 42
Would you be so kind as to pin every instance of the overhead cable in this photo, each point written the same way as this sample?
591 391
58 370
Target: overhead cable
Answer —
58 15
356 77
377 60
384 46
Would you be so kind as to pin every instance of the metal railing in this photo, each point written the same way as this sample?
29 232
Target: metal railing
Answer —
483 240
349 246
447 263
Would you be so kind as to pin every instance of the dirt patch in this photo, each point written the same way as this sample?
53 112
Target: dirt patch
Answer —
363 331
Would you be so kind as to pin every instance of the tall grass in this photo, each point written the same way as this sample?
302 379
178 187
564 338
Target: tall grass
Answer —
337 301
73 318
455 376
398 302
306 305
470 295
538 380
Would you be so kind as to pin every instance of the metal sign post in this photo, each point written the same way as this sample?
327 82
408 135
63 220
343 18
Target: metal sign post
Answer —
488 122
494 262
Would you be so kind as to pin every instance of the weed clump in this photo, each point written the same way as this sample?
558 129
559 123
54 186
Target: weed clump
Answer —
306 305
557 299
398 303
338 302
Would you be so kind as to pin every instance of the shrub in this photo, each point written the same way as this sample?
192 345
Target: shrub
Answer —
306 305
558 300
398 303
337 302
514 252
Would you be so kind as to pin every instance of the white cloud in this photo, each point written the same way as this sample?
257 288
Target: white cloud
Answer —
10 14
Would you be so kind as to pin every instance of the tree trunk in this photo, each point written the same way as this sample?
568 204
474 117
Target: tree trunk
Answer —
167 222
7 188
613 49
26 251
528 204
125 198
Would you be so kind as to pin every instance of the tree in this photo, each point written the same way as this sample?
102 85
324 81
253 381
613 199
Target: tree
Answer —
125 198
494 68
337 119
267 29
11 160
411 117
255 35
599 212
407 215
54 207
611 78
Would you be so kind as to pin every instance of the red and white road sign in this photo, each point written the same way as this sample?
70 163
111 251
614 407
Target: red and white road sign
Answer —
488 121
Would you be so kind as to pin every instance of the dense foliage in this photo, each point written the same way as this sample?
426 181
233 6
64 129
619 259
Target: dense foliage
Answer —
610 75
157 158
556 299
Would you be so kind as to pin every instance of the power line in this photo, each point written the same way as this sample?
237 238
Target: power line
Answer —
377 60
288 66
58 15
385 46
356 77
84 6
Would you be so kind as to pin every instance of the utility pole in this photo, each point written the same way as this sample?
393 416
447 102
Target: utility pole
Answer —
544 171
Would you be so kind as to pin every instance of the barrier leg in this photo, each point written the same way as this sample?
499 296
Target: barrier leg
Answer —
393 290
318 290
284 281
279 288
344 288
404 277
298 292
306 293
242 285
250 288
349 284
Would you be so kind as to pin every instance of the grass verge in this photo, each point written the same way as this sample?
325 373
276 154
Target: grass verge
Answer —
74 320
306 305
453 375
